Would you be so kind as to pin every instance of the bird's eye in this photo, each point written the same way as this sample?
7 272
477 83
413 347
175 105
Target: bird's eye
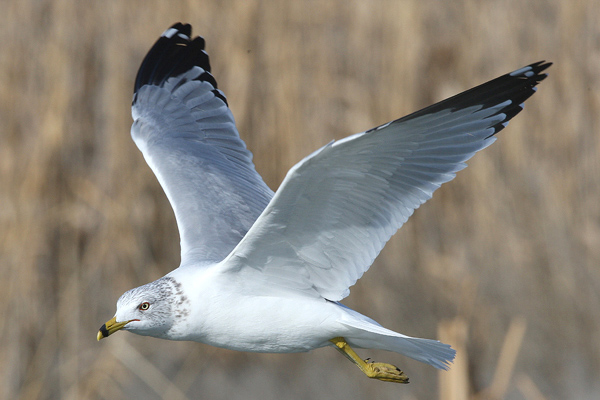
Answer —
144 306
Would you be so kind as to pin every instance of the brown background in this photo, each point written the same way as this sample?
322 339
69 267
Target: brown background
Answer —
506 256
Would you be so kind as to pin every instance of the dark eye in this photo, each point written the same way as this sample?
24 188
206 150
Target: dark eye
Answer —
144 306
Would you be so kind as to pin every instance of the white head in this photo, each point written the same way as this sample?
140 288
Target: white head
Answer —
154 309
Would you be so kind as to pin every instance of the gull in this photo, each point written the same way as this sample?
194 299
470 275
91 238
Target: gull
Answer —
263 271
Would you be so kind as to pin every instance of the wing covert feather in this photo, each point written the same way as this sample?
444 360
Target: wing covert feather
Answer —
187 134
336 209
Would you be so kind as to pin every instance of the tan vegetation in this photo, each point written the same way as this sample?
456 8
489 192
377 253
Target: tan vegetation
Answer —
504 261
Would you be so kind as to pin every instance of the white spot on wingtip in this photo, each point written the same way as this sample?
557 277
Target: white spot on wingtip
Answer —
169 33
522 71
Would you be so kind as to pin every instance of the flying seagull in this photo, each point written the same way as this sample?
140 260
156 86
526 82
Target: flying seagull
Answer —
263 271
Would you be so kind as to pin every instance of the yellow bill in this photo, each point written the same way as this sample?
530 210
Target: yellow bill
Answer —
111 327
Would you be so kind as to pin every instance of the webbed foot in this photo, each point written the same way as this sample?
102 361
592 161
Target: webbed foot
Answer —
385 372
374 370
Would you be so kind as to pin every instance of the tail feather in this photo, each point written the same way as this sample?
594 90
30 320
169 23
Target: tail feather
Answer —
432 352
367 334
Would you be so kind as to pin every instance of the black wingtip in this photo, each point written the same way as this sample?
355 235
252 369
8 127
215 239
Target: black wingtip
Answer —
185 29
516 86
174 53
532 71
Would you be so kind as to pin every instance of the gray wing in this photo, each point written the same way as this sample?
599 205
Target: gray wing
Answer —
187 134
336 209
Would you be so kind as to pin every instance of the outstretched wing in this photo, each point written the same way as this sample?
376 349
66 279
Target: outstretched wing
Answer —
337 208
184 128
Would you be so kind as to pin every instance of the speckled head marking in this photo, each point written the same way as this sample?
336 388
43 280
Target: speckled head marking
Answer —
155 309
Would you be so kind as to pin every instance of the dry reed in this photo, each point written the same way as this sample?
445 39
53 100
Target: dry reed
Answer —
516 235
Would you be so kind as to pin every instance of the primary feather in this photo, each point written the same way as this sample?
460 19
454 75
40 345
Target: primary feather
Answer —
336 209
184 128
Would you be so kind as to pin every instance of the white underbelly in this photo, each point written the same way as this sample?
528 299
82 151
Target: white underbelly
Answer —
269 324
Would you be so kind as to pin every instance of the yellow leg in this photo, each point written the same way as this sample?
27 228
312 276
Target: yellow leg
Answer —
375 370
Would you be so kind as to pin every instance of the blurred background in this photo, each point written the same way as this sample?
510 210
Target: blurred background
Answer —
503 262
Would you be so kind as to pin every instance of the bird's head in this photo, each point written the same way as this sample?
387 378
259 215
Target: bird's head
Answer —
146 310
